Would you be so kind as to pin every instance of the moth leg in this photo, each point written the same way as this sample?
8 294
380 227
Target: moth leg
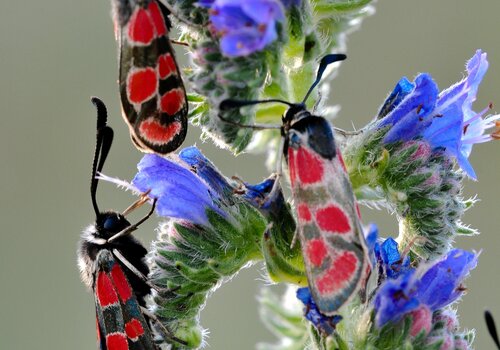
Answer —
177 42
119 256
134 227
137 204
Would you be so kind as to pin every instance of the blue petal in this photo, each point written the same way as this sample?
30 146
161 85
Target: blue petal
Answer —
394 265
412 115
438 287
395 298
246 26
244 42
326 324
263 11
205 169
371 236
180 194
401 90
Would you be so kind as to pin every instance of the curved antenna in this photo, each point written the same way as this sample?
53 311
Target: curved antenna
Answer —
490 323
230 104
325 62
104 139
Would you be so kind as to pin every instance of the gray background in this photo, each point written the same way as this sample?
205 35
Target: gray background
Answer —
56 54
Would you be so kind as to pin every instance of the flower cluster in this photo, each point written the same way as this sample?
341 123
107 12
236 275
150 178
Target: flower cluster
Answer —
244 26
430 287
444 119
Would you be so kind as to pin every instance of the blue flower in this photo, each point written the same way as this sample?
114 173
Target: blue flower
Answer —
395 298
393 264
433 285
445 120
371 237
325 324
179 192
205 169
245 26
440 285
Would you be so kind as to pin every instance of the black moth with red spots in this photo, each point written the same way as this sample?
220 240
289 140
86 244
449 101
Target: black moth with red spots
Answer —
112 264
153 97
328 220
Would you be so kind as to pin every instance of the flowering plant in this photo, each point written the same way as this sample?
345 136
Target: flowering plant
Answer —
411 158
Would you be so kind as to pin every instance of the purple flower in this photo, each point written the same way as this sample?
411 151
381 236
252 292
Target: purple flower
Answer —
433 285
245 26
445 120
180 193
325 324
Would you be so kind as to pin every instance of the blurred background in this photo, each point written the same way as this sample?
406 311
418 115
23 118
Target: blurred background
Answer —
54 55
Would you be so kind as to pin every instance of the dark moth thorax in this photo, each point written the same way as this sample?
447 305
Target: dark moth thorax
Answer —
301 126
94 239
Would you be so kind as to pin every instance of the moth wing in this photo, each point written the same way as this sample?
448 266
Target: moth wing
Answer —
121 324
329 227
154 101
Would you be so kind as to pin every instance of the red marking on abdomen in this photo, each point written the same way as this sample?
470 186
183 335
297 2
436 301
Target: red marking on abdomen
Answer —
309 167
340 273
333 219
140 27
316 251
121 283
304 212
106 294
116 341
172 101
166 65
134 329
141 85
158 20
291 166
153 131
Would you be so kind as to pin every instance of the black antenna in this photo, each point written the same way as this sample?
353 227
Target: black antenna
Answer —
104 139
325 62
490 323
231 104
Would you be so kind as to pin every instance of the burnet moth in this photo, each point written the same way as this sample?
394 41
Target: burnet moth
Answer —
329 228
112 263
153 98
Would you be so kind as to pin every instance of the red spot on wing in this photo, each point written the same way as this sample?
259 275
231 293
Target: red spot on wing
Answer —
338 275
105 291
141 28
172 101
166 65
304 212
291 166
116 341
316 251
134 329
333 219
309 166
121 283
142 84
151 130
157 17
